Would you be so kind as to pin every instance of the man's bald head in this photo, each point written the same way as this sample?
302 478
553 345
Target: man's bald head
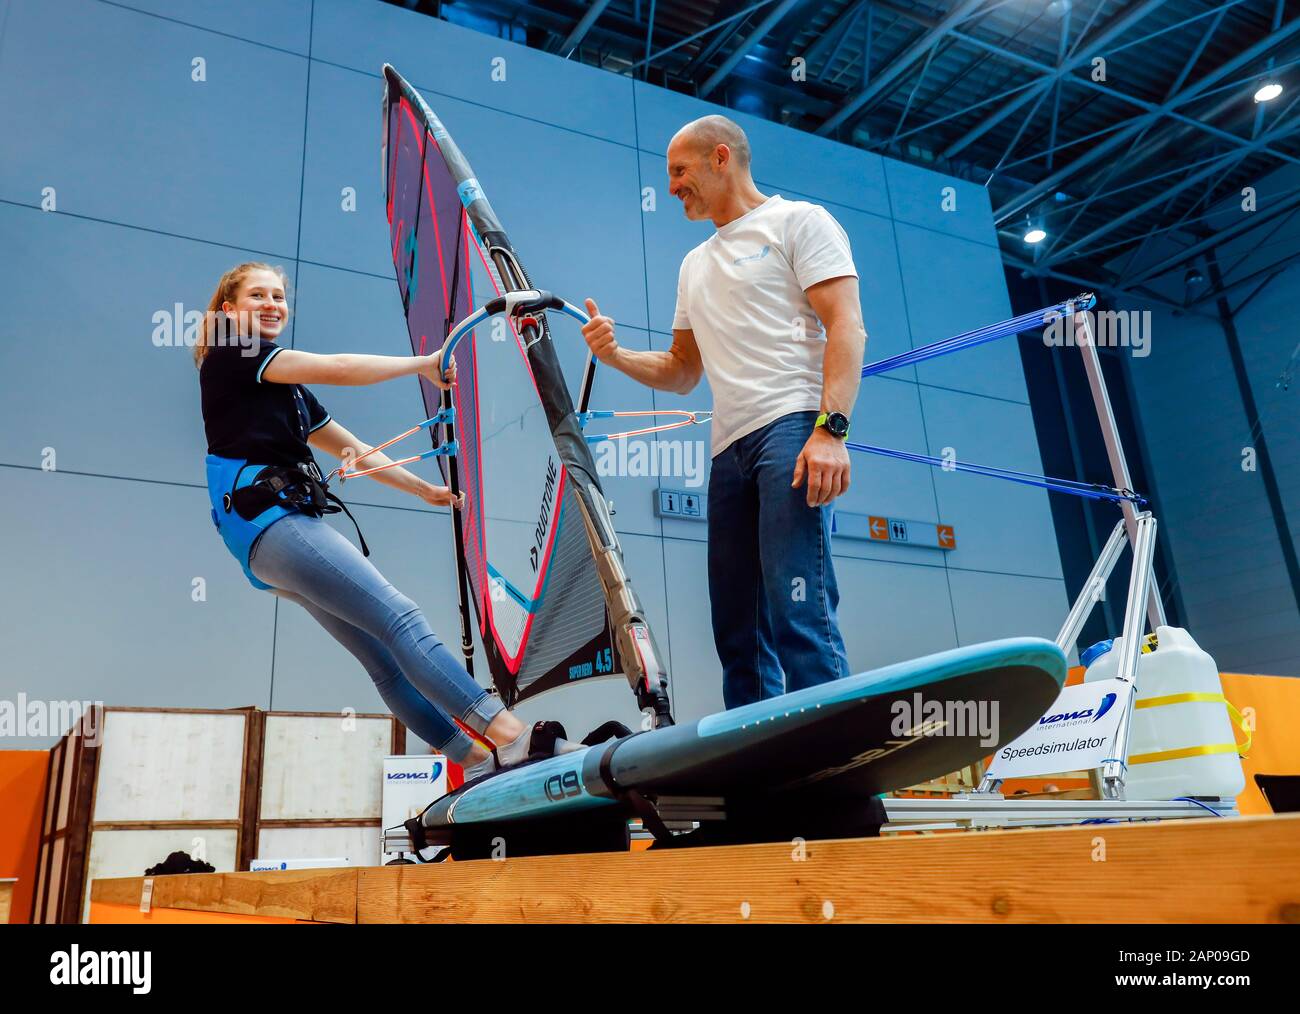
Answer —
708 170
706 133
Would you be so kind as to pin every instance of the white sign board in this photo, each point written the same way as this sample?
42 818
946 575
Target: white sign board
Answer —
899 531
411 783
1075 734
266 865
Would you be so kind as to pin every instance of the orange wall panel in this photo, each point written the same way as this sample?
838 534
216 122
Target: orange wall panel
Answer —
22 799
1272 705
106 912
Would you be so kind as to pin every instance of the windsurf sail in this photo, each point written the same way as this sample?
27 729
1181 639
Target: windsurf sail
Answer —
535 545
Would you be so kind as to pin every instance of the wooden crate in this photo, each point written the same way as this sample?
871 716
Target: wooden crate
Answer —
128 786
322 785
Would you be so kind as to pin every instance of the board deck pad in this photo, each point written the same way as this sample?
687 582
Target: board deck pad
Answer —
852 737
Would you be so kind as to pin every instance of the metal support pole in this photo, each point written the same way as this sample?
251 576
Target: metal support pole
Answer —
1112 770
1085 339
1135 529
1094 589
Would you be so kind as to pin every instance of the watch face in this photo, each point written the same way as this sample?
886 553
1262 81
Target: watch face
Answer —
838 424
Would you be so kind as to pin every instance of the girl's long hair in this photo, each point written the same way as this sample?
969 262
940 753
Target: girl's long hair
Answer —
215 322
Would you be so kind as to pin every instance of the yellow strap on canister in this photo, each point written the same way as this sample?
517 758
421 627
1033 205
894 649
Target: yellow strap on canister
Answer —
1194 751
1191 751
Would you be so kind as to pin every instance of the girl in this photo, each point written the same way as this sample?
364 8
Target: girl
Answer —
268 502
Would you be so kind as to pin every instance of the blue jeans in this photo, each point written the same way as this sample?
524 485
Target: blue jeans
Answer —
308 562
771 577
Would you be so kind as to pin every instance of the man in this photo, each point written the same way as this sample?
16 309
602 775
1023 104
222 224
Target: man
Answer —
767 307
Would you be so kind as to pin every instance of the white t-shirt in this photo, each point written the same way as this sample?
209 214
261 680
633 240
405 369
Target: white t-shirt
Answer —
742 291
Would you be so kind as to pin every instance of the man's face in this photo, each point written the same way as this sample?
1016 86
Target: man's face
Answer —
692 177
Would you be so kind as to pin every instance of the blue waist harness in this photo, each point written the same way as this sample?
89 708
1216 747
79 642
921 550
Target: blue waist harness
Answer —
247 499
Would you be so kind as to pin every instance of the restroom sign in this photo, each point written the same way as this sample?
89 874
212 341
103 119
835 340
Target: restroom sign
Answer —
896 528
899 531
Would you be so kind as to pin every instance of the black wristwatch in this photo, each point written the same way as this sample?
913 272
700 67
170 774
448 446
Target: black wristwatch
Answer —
836 423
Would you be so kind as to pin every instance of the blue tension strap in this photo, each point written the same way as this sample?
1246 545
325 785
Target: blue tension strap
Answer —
1089 491
980 336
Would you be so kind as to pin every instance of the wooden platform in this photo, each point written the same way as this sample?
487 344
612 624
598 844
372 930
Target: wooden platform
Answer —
1244 869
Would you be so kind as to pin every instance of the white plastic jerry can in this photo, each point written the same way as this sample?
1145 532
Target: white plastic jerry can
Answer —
1182 741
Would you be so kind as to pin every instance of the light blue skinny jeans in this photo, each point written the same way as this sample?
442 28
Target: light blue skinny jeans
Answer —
422 682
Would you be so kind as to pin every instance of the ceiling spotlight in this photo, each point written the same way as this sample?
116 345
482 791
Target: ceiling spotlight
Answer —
1034 232
1193 278
1268 92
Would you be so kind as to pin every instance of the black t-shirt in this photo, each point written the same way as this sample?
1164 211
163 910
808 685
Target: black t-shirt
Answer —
246 417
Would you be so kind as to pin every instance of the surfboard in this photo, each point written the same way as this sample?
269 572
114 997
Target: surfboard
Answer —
852 739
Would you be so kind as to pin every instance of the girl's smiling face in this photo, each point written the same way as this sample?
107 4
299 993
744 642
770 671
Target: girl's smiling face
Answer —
260 307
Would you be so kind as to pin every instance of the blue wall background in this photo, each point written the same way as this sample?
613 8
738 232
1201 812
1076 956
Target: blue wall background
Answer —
162 183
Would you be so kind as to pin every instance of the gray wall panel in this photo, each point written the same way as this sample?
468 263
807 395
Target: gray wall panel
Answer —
99 592
285 24
920 196
440 58
1000 526
122 133
971 293
81 370
989 606
781 156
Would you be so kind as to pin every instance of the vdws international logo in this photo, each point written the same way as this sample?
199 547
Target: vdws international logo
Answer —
429 776
1086 716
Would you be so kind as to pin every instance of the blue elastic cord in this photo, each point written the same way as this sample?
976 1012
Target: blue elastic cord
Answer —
1203 806
1089 491
980 336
